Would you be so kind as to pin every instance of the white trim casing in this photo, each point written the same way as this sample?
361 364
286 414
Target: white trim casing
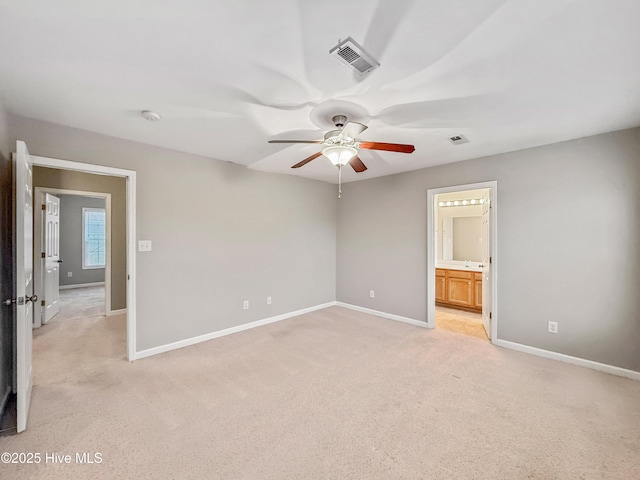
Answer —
113 313
227 331
130 176
561 357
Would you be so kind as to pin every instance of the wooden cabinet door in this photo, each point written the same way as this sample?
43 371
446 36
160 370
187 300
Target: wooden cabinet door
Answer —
477 297
441 291
460 291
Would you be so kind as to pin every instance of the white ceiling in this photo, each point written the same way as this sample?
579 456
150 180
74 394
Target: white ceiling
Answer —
227 76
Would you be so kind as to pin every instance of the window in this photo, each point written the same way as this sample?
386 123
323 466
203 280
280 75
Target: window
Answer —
94 237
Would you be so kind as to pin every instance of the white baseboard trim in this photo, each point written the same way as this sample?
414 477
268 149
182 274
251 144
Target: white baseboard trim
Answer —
227 331
116 312
390 316
81 285
602 367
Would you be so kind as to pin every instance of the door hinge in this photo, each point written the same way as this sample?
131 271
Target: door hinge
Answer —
490 259
490 317
44 207
43 255
42 304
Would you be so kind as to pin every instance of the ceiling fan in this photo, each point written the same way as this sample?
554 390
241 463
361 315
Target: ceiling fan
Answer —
342 145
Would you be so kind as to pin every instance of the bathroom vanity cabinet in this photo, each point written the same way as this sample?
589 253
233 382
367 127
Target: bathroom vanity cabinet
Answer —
459 289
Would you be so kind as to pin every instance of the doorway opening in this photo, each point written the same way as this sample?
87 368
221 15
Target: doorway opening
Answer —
461 261
119 278
73 229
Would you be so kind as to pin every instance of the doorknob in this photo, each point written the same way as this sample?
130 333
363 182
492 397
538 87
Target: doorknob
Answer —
21 300
59 261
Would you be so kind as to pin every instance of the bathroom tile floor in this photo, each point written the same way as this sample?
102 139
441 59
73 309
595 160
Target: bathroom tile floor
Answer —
460 321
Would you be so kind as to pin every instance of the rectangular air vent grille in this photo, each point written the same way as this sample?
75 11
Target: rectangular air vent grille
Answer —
354 56
458 139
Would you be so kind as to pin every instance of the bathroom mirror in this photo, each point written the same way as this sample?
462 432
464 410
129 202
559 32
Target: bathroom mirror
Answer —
462 238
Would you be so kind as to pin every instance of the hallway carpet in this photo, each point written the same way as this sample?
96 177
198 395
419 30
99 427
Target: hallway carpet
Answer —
333 394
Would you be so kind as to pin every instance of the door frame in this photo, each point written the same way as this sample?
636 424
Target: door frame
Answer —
130 176
39 193
431 249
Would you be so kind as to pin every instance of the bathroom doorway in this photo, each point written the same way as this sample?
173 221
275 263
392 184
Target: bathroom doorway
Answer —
461 259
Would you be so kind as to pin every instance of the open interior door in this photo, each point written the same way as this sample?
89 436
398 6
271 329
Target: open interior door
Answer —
52 261
486 263
24 281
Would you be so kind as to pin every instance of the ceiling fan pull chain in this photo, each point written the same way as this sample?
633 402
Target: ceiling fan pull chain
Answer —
339 181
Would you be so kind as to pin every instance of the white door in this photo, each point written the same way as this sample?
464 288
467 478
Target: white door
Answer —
486 263
52 259
24 280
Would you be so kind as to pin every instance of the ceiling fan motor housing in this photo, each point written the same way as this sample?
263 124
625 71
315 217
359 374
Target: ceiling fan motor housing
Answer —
339 120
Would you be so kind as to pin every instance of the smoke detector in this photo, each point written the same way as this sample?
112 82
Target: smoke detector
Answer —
151 116
354 56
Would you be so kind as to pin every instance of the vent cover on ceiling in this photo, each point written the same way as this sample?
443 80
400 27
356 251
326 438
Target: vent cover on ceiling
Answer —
458 139
354 56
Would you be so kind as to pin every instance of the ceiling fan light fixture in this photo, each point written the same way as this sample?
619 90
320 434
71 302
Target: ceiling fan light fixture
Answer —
339 155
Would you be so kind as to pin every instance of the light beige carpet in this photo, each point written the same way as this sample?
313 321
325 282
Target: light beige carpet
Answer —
333 394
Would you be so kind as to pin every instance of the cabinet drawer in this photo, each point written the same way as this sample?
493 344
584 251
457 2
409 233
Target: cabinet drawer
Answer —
477 276
440 272
460 274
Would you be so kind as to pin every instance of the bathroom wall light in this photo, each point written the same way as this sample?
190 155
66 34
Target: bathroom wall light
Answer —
461 203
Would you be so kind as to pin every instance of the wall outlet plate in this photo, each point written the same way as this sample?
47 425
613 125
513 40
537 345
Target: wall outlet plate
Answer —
245 305
268 300
144 245
552 327
372 294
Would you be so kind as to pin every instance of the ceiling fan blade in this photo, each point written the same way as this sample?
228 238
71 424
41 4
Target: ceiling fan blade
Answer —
307 160
389 147
352 130
296 141
357 164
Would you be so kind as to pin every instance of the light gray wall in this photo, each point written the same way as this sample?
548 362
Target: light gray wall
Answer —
6 258
221 234
71 240
568 236
116 186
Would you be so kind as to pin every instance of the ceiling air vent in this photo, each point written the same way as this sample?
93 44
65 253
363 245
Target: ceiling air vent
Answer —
354 56
458 139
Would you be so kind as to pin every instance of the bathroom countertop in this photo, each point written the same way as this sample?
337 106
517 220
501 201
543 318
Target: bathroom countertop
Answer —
473 267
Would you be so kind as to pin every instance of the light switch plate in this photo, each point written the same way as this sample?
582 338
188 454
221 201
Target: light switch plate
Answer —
144 245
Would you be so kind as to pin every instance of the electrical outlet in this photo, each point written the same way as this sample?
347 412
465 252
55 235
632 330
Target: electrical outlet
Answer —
144 245
268 300
552 327
372 294
69 274
245 305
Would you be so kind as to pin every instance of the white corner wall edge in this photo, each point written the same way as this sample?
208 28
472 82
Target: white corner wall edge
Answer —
390 316
561 357
227 331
